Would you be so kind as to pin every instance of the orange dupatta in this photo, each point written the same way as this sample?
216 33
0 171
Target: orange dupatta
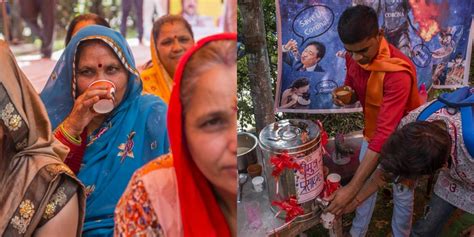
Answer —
374 93
156 79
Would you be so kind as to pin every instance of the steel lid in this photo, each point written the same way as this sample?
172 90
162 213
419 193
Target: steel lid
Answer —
292 135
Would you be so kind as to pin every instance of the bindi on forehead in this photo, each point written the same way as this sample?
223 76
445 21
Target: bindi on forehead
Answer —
100 65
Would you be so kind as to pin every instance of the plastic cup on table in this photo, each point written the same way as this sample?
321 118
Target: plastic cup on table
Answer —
257 183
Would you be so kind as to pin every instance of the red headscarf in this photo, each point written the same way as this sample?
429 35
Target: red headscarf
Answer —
200 212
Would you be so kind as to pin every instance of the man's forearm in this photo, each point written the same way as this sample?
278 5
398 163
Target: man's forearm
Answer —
371 186
366 167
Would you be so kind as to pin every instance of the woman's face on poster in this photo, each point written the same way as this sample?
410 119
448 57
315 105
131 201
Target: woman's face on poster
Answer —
302 90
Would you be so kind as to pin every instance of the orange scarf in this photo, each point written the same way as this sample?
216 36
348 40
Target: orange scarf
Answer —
374 93
155 79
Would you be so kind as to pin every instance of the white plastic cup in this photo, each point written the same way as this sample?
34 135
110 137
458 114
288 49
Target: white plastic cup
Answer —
327 220
258 183
104 105
331 184
334 178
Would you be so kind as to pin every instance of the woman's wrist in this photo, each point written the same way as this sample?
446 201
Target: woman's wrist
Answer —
71 130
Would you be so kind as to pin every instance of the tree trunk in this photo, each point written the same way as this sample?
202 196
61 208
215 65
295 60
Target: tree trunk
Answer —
253 35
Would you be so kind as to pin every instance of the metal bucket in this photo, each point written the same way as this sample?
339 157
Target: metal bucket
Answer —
246 151
301 139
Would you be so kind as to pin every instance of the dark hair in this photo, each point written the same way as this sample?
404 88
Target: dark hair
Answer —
418 148
84 17
357 23
320 47
170 19
300 82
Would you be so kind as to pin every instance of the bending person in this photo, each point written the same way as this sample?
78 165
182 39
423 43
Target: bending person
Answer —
421 148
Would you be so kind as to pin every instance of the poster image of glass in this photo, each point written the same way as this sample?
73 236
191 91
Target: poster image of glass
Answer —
204 16
433 33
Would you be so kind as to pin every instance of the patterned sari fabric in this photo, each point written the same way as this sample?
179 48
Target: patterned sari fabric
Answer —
35 183
170 196
132 134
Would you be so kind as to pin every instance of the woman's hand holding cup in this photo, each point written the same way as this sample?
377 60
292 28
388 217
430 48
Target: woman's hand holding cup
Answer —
82 113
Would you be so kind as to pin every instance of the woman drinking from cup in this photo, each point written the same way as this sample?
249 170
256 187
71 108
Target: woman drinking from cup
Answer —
297 96
108 141
192 190
171 37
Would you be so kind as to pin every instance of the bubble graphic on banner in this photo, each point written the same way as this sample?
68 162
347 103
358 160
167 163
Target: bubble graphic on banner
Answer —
313 21
421 55
325 87
391 2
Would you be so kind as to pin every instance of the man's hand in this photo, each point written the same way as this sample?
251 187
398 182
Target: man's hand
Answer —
291 45
340 199
341 53
351 206
339 102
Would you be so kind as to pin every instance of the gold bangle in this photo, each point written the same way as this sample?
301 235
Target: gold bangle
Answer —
69 136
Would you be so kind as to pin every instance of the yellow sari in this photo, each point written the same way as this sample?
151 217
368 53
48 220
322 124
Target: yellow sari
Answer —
156 79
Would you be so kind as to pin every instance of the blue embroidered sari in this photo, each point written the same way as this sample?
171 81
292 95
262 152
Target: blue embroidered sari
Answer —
133 134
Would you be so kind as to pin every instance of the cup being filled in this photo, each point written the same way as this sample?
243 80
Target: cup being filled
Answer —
344 94
105 104
333 182
328 220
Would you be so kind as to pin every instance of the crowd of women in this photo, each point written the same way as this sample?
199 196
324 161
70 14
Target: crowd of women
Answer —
161 162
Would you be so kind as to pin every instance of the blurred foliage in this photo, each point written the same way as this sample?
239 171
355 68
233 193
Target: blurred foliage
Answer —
66 10
246 117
